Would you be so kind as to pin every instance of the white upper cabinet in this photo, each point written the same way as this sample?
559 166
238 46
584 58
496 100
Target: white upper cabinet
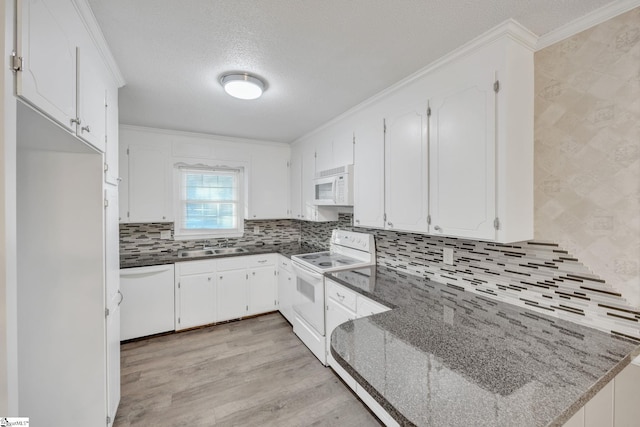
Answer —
47 43
406 177
63 73
92 91
269 185
343 149
295 182
368 165
148 182
462 160
481 146
112 167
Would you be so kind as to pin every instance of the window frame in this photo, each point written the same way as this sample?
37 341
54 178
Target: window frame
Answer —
180 233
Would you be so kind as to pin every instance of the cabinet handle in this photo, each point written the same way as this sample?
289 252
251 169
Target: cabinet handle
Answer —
253 272
209 278
357 221
340 296
85 128
390 224
262 261
121 298
76 121
164 217
437 228
220 277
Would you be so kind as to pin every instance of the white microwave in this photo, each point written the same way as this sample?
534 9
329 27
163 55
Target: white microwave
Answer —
334 187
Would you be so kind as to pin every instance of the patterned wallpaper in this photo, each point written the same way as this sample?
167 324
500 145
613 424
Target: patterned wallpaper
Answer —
587 149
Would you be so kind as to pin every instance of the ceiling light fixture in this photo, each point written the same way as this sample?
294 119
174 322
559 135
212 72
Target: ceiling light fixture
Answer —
242 85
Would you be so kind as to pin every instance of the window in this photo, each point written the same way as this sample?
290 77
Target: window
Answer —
209 203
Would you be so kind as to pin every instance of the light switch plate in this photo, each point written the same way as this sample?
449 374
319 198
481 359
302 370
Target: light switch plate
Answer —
447 256
165 234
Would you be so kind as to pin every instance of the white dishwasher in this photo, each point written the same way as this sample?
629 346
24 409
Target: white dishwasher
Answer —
148 301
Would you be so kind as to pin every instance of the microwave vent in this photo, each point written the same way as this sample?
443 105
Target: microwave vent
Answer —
340 170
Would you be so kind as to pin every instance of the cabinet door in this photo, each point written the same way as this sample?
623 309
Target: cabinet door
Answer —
368 170
262 290
46 42
406 170
462 164
286 288
112 148
92 91
343 149
113 298
295 179
232 294
307 176
149 183
336 314
123 188
323 156
196 301
269 190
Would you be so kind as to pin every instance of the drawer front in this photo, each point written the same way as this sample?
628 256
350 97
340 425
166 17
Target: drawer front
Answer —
341 295
195 267
367 307
284 263
232 263
261 260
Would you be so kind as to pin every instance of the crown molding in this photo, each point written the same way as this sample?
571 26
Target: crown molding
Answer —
210 136
509 28
587 21
92 26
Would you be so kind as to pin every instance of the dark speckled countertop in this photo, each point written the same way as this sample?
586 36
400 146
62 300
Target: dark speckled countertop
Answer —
160 258
446 357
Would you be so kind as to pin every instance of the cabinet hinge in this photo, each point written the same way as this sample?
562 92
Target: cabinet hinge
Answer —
315 154
428 111
106 312
496 86
384 217
247 276
127 151
496 223
178 320
108 420
178 285
354 140
127 214
16 62
428 219
384 125
247 308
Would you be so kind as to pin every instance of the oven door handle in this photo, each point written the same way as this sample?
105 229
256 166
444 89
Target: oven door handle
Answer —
306 272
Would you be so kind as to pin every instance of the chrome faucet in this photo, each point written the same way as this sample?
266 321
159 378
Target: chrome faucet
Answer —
223 243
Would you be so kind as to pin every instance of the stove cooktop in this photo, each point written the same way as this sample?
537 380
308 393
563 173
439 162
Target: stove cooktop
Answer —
325 261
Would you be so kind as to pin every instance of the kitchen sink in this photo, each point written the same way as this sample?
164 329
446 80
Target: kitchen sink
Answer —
194 253
227 251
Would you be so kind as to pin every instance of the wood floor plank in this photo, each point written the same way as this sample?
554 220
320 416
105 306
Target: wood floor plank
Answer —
253 372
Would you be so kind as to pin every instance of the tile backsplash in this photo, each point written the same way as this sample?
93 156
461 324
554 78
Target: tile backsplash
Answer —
145 238
539 275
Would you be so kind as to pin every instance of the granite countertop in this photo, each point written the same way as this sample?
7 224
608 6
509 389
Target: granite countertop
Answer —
159 258
444 356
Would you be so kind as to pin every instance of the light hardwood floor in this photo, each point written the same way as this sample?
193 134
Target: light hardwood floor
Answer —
253 372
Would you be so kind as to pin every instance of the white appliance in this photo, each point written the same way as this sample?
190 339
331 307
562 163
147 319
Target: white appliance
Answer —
334 187
347 250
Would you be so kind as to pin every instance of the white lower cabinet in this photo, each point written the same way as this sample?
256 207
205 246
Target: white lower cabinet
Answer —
615 405
147 301
343 305
195 294
232 294
212 291
286 287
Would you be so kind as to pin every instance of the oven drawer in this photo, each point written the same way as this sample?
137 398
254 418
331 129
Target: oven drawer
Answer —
341 295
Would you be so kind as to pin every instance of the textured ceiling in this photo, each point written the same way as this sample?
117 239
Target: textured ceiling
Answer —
319 57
